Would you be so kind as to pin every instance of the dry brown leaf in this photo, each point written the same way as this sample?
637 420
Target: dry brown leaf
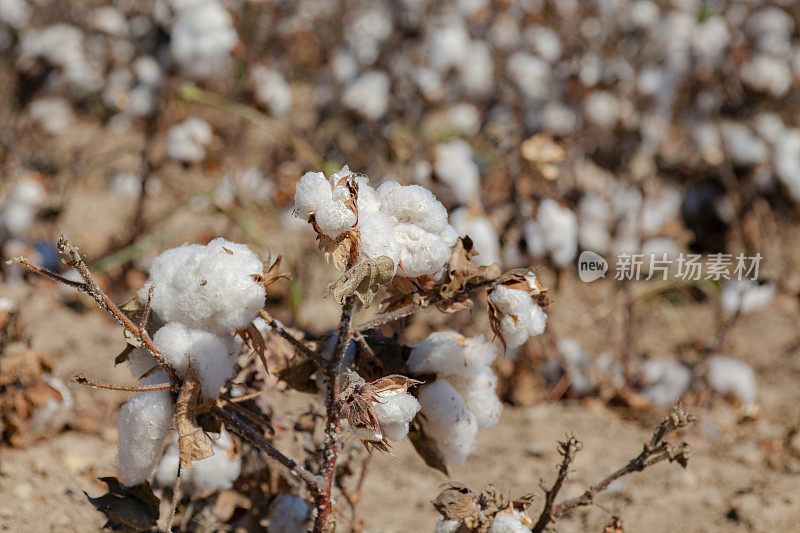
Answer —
462 271
193 443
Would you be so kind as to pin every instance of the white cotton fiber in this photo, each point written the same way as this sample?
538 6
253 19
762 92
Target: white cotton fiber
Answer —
421 253
455 166
206 287
448 421
745 295
559 226
478 392
395 410
217 472
290 515
271 89
508 522
521 317
140 362
413 204
202 38
368 94
212 357
143 422
187 141
446 526
665 381
731 376
442 351
376 233
312 190
483 235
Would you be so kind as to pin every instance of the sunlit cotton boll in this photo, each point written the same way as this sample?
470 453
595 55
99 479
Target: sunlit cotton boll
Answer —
290 515
202 38
143 423
395 410
478 390
217 472
455 166
483 235
54 115
522 318
208 287
731 376
448 421
187 141
271 89
767 74
212 357
665 381
745 295
508 522
368 94
557 227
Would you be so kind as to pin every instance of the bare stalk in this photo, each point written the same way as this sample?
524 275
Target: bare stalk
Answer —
325 517
568 449
80 379
234 422
281 330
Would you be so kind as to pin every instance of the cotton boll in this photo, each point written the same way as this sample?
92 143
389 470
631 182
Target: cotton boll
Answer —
394 411
478 392
140 362
376 237
54 115
731 376
742 145
560 228
531 74
421 253
450 235
464 118
447 46
454 165
202 38
665 381
271 89
745 295
368 201
594 220
602 109
534 238
334 218
217 472
312 191
545 42
446 526
476 69
483 235
767 74
343 65
508 522
413 204
442 351
368 94
787 162
448 421
143 422
367 32
290 515
187 141
558 119
15 13
109 20
206 287
478 353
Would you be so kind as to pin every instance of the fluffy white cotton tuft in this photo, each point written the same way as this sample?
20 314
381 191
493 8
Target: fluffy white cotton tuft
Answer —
212 357
217 472
446 526
202 38
731 376
559 229
665 381
271 89
522 318
187 141
745 295
455 166
316 194
290 515
448 421
395 410
143 423
508 522
206 287
368 94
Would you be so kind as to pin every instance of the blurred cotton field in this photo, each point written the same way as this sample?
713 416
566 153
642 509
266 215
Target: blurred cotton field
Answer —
662 130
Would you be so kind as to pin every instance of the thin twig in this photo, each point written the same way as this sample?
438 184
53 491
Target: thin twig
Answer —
47 274
80 379
281 330
234 422
176 489
568 449
655 451
147 310
353 497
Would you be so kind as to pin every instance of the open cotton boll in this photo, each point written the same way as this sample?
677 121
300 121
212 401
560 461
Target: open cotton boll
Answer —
665 381
202 38
290 515
531 74
368 94
271 89
454 166
448 421
217 472
446 526
522 318
212 357
483 235
745 295
421 253
187 141
560 229
140 362
508 522
478 392
54 115
312 191
206 287
413 204
395 410
143 423
442 351
376 237
334 217
731 376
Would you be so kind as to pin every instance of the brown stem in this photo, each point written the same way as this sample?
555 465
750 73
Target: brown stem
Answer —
568 449
173 506
279 328
325 517
234 422
80 379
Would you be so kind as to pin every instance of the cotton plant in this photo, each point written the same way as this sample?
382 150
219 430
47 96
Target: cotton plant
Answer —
198 336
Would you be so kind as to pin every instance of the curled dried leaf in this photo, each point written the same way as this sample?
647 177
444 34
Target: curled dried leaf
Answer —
193 443
127 508
457 502
363 280
462 271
